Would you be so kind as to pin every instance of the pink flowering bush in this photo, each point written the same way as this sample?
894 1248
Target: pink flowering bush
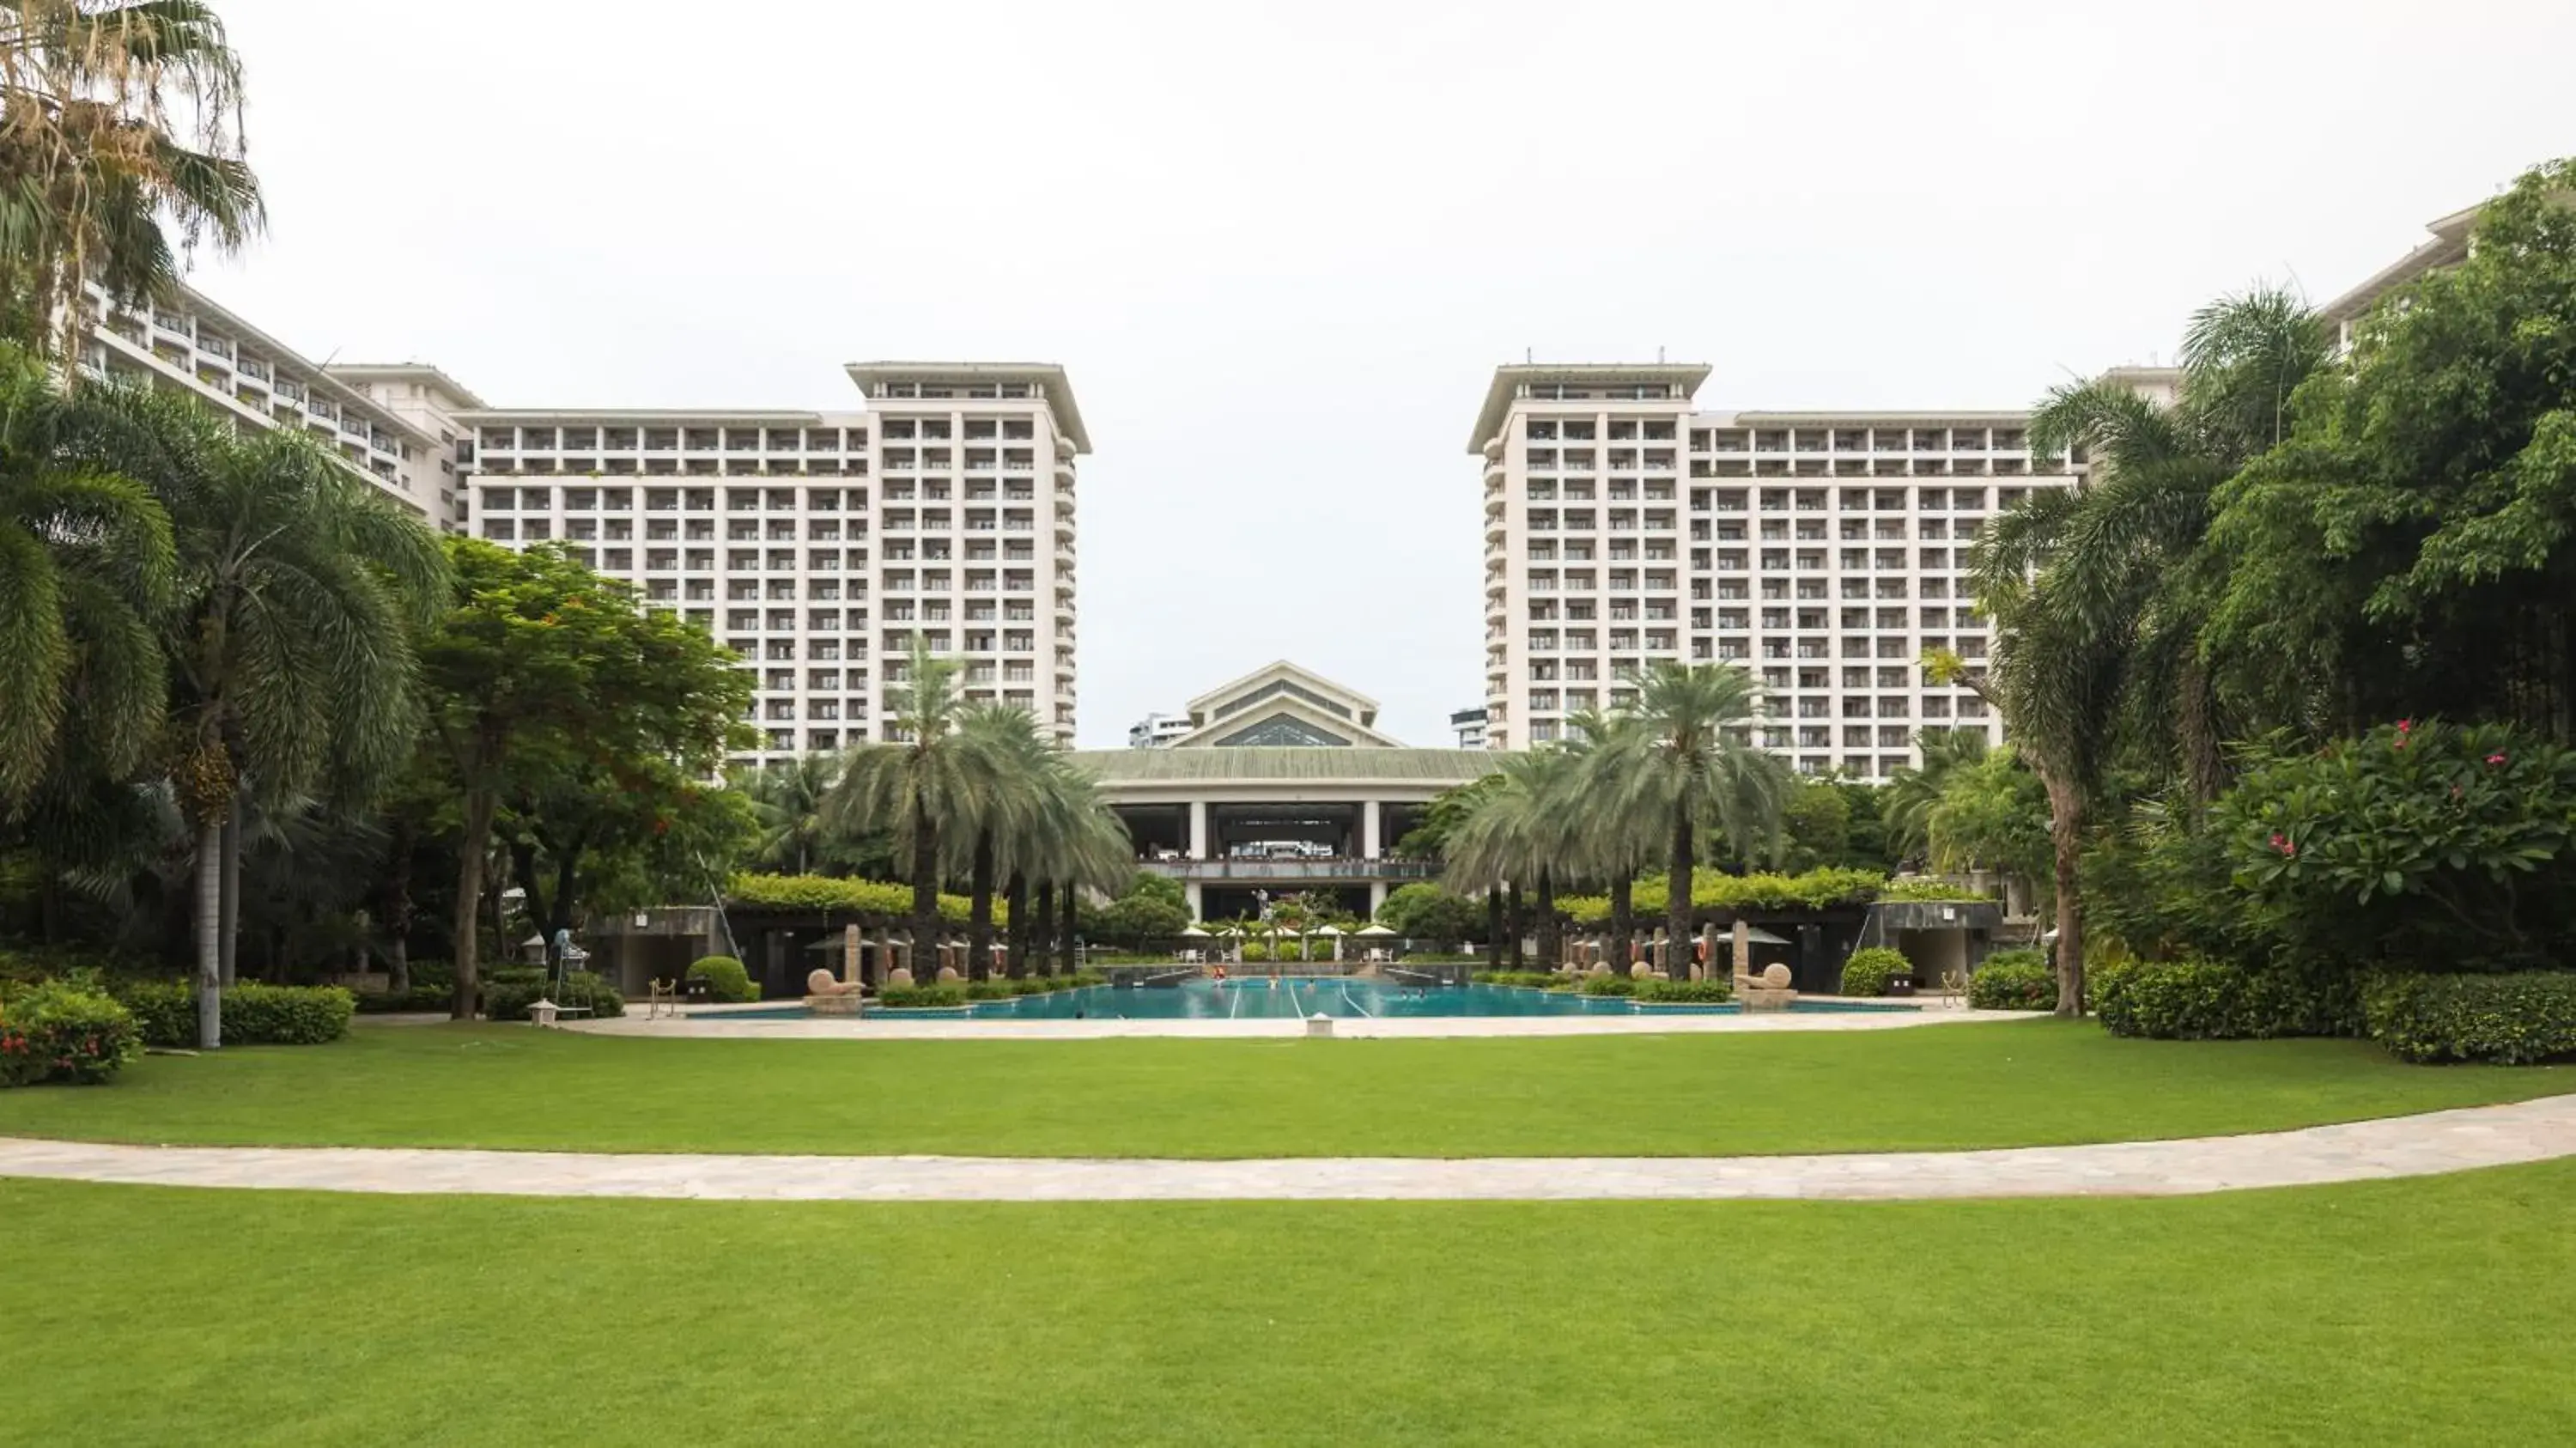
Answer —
2421 844
62 1033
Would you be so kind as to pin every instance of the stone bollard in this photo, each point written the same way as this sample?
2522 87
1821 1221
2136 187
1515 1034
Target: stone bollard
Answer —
1319 1024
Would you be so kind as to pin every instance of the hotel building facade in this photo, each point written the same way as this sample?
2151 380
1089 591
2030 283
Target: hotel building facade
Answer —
816 545
1825 552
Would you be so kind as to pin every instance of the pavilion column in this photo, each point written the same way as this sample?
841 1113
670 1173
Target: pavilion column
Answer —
1198 836
1377 897
1196 895
1370 824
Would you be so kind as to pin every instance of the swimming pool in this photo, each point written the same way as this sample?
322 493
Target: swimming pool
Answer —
1262 998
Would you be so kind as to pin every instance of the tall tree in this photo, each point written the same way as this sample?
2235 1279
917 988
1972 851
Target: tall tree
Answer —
1913 791
1525 830
115 115
87 567
1687 764
289 643
787 800
540 670
2405 549
916 785
2098 611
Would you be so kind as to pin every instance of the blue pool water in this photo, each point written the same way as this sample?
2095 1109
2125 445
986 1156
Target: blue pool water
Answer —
1332 996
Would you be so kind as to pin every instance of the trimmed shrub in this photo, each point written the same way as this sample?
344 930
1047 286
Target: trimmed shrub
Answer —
1868 971
726 979
254 1014
921 997
508 1000
2208 1000
1685 992
2511 1020
1529 979
1608 985
59 1033
2013 980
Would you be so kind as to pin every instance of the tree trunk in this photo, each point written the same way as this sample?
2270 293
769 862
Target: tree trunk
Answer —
979 914
1494 927
1065 955
398 909
1512 923
1551 944
1623 918
479 806
210 911
1677 879
2066 842
228 939
925 896
1042 932
1015 933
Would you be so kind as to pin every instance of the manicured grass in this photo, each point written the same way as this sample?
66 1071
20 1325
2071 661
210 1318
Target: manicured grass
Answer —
2018 1083
2424 1311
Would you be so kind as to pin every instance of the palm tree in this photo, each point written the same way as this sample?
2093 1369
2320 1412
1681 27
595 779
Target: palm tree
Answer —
290 643
1002 811
916 785
86 567
1078 844
92 96
787 799
1615 842
1914 791
1686 765
1525 830
2100 619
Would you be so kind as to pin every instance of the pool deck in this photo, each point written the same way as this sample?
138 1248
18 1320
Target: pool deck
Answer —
709 1023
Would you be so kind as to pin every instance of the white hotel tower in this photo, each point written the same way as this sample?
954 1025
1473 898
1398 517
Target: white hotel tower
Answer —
1823 551
819 545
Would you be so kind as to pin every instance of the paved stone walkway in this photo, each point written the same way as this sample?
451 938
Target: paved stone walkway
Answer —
2441 1141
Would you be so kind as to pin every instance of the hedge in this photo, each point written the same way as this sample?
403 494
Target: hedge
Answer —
726 979
2013 980
881 899
1526 979
1717 890
254 1014
921 997
2207 1000
1608 985
65 1034
1868 971
2512 1020
508 999
1685 992
1923 889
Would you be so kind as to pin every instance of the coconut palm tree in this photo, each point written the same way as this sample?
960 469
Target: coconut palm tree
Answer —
289 643
1614 842
1915 790
2100 616
1526 830
917 785
787 799
86 567
1686 764
114 114
1003 811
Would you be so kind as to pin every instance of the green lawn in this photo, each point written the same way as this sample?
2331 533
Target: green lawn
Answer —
2007 1084
2427 1311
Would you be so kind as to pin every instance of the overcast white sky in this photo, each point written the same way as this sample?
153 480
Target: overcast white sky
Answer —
1280 247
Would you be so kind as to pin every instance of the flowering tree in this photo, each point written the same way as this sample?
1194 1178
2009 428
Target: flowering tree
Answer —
2426 844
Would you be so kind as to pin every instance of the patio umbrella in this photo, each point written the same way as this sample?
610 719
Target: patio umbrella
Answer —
1194 933
1336 932
1372 930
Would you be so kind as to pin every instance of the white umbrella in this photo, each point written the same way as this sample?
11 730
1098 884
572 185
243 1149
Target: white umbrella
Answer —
1336 932
1194 933
1372 930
